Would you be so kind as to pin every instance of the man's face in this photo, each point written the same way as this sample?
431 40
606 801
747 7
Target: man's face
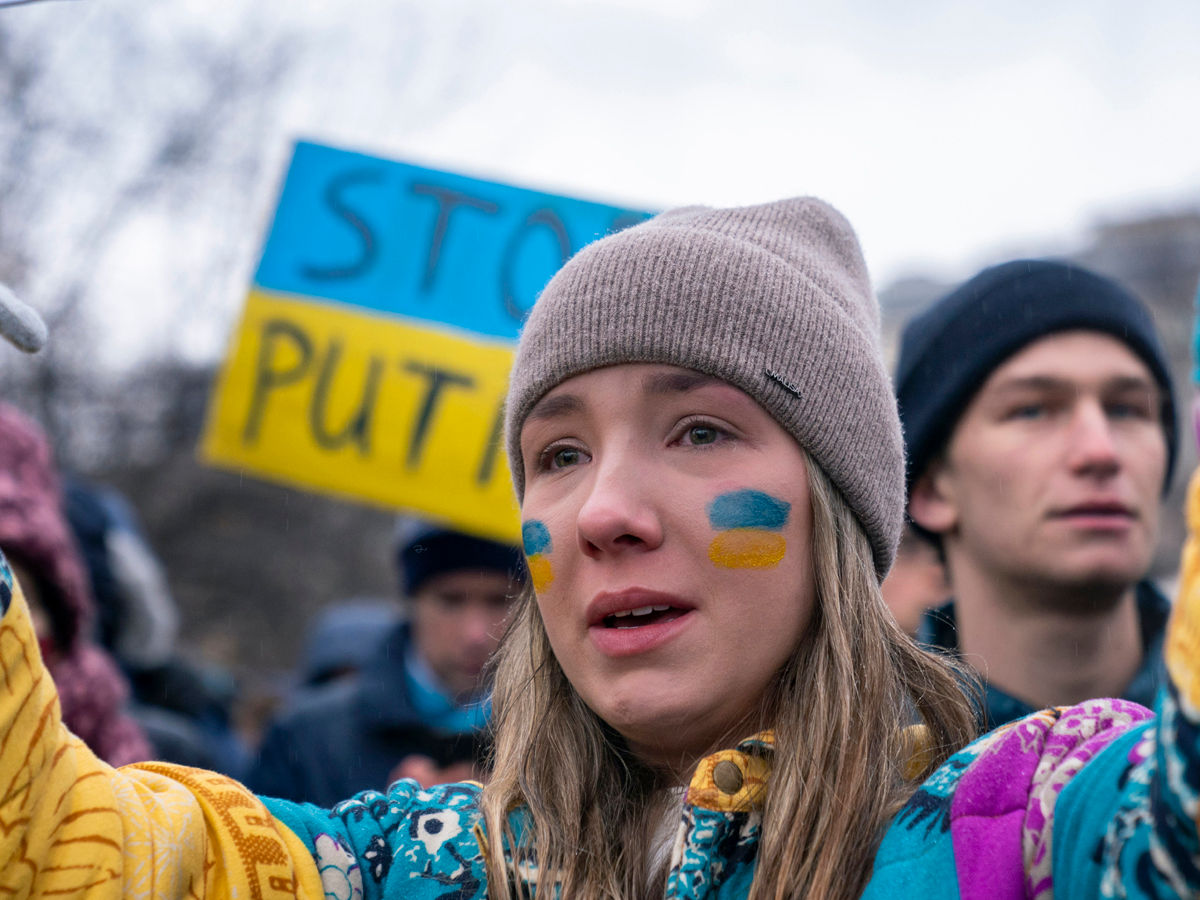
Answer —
1055 470
457 620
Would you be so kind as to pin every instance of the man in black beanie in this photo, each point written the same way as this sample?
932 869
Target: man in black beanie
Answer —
1039 424
419 705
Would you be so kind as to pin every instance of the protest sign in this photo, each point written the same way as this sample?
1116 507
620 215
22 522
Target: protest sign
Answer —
373 351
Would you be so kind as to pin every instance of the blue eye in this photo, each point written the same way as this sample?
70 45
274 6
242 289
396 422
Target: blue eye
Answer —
1028 411
1130 411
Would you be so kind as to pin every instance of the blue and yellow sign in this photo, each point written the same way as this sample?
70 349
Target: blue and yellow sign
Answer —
373 351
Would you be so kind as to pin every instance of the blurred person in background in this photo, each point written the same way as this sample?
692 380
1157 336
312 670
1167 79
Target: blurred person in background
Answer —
137 618
916 582
1039 426
185 707
35 537
418 706
341 640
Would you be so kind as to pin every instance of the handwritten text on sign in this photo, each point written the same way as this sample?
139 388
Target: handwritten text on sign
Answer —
374 348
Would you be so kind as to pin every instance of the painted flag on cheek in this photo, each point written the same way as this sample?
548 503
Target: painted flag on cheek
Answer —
748 525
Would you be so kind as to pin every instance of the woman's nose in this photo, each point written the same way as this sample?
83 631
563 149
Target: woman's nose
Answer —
621 510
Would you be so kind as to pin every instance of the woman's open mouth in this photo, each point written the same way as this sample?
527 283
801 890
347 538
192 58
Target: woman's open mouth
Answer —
643 615
636 620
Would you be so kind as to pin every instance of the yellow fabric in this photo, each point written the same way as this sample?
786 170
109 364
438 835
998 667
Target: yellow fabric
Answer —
1182 645
755 769
1182 648
72 826
753 759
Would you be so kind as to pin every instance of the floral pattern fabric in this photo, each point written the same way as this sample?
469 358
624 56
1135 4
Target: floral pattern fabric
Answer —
1095 800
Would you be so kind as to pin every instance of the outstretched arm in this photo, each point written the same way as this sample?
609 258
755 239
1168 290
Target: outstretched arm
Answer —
72 825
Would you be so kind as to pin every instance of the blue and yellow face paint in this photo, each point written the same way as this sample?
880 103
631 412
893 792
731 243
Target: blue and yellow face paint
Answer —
536 539
749 523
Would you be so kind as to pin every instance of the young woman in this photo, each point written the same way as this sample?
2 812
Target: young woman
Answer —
702 694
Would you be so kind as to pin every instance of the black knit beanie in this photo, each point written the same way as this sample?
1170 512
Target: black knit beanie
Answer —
948 351
424 551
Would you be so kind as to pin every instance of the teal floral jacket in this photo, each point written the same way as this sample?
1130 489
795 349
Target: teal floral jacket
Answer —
1097 800
427 844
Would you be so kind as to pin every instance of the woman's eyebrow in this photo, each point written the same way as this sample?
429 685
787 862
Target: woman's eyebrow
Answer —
557 405
678 382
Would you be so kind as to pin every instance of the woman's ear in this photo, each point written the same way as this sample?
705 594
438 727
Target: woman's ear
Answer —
931 503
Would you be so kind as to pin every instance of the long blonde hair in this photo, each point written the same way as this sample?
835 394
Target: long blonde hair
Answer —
839 708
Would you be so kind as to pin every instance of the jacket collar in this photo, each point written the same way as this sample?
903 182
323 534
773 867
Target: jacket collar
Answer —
939 630
384 700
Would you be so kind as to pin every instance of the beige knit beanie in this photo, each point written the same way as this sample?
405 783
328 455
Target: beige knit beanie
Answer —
774 299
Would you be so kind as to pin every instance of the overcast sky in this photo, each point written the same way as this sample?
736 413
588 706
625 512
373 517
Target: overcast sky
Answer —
942 129
948 132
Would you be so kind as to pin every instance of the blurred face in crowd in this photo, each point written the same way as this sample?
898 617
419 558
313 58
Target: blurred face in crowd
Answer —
667 524
916 582
1056 468
457 621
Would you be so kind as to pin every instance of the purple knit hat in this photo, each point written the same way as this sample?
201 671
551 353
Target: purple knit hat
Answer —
33 527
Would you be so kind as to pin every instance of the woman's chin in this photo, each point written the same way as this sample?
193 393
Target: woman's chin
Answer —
668 739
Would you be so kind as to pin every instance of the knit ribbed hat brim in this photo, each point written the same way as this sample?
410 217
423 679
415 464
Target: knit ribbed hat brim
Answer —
774 299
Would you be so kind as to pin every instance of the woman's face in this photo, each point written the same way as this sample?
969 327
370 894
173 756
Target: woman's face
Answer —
667 525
